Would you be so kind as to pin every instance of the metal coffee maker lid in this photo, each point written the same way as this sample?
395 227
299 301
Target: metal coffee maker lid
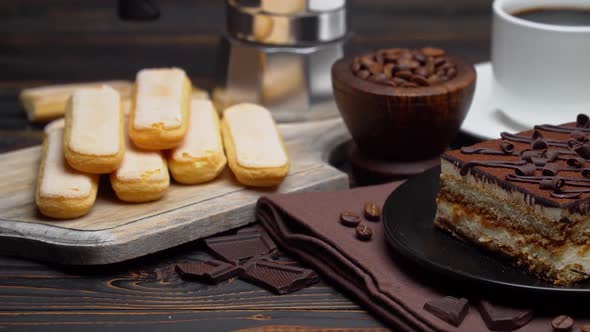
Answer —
278 53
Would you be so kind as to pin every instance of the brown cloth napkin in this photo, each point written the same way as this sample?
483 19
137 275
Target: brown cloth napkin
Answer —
306 225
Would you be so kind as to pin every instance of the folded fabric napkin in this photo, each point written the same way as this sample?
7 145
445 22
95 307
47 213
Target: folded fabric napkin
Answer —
307 226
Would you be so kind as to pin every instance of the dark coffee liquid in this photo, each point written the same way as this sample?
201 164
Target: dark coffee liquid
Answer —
570 16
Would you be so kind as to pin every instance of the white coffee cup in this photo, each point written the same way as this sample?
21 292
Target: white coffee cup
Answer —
542 71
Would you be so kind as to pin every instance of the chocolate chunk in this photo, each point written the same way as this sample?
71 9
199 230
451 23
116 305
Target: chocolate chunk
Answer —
372 211
234 248
562 323
350 219
582 121
499 318
364 232
211 272
449 309
278 278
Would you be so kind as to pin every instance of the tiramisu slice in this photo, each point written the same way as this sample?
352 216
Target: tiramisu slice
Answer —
526 196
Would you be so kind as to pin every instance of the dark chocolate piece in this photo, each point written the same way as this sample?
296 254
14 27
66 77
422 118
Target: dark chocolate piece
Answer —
350 219
233 248
449 309
364 232
562 323
278 278
372 211
498 318
211 272
255 229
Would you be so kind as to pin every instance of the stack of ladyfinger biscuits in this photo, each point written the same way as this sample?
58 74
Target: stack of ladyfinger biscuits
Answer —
164 130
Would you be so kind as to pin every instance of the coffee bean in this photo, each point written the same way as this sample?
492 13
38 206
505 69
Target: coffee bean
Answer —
420 57
420 80
364 74
562 323
433 51
364 232
380 77
399 67
356 66
350 219
366 61
586 328
405 74
372 211
421 71
376 68
399 81
388 70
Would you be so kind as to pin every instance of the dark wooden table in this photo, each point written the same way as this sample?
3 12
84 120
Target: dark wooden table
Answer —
52 41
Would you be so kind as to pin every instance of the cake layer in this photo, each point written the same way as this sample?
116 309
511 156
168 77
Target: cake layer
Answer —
564 264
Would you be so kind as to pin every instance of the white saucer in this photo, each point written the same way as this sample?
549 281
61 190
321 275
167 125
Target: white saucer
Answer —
485 120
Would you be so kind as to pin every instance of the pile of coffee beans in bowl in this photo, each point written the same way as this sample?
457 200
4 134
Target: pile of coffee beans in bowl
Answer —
401 67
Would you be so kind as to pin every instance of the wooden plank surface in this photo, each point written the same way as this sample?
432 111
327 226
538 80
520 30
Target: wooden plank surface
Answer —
115 231
50 41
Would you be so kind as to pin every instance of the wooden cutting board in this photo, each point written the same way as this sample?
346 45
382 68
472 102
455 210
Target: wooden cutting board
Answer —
115 231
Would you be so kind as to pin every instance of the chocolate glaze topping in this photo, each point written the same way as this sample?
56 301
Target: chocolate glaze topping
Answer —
551 163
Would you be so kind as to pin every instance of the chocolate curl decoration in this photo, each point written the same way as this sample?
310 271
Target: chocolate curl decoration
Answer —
579 136
494 164
582 121
525 170
536 134
528 155
551 155
550 169
583 150
575 162
552 183
572 143
565 196
507 147
586 173
539 161
539 144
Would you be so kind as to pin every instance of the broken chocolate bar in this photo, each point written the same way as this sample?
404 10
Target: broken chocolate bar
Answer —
211 272
278 278
499 318
234 248
449 309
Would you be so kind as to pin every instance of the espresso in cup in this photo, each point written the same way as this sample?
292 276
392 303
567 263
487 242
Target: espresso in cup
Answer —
568 16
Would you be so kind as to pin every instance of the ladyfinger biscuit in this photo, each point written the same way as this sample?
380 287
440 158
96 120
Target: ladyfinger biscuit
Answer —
62 192
159 116
254 148
200 157
141 177
45 103
94 129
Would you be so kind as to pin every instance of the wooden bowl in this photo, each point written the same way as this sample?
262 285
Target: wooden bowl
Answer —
395 123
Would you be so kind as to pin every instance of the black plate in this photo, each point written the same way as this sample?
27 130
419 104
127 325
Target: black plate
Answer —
408 214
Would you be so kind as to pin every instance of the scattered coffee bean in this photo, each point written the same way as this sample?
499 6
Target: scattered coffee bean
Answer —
364 232
350 219
432 51
562 323
372 211
429 65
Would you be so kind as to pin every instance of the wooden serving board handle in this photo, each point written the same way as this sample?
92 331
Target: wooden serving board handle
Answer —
114 231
